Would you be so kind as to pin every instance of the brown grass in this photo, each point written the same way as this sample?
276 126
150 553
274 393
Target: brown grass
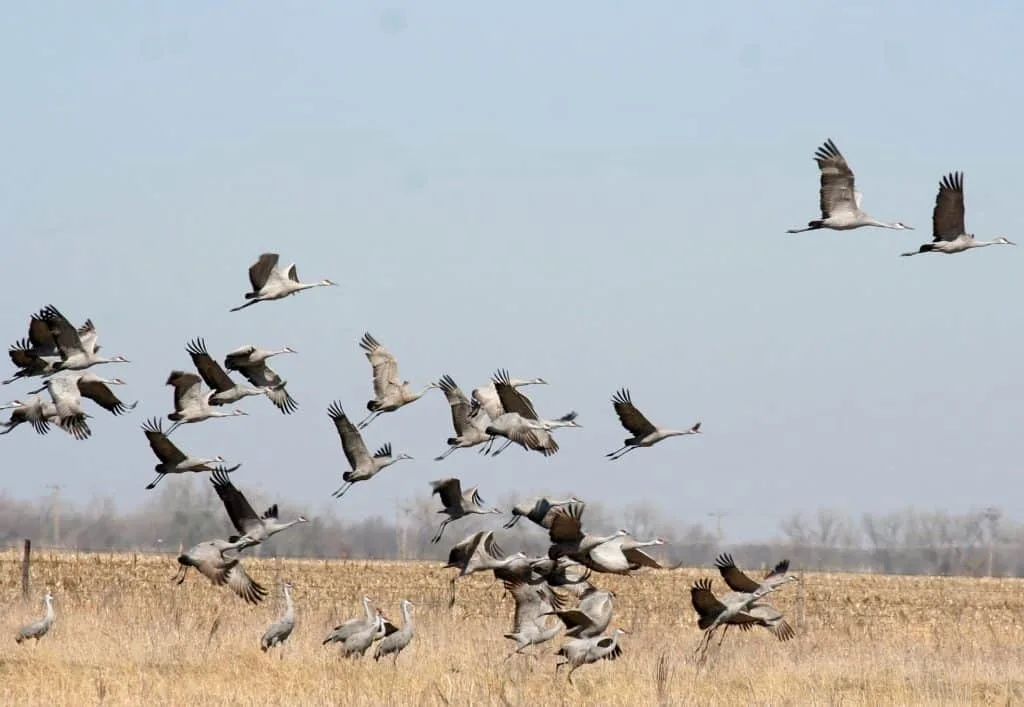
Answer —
126 635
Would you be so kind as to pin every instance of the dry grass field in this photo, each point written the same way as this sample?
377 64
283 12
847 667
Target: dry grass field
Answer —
126 635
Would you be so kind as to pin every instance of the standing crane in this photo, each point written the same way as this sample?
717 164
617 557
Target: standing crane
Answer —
191 402
269 283
77 348
583 651
172 459
645 434
256 527
838 196
279 631
341 632
457 503
389 391
364 467
470 419
395 642
949 231
218 561
251 362
38 629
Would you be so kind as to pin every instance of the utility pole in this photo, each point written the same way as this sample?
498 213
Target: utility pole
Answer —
718 515
55 512
992 515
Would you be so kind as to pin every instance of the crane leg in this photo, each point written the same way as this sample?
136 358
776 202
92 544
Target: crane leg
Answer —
440 531
368 419
724 629
343 490
486 449
179 576
620 450
503 448
618 454
571 671
445 453
155 481
172 428
451 594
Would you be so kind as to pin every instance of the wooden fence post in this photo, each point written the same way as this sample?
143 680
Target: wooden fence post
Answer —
25 560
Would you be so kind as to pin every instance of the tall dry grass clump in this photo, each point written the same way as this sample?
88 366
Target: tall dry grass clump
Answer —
126 635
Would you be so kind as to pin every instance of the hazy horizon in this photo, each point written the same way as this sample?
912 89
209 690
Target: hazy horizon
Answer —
593 194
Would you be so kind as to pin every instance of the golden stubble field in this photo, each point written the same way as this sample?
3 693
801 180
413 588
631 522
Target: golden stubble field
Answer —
126 635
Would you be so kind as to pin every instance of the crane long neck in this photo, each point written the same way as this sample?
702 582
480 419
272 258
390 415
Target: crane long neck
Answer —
406 617
289 608
49 610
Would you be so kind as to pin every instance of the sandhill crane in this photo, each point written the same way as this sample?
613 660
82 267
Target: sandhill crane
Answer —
279 631
364 466
78 349
394 643
191 402
37 354
34 410
469 419
645 434
539 510
591 615
561 572
389 391
567 536
172 459
218 560
713 612
520 423
480 552
457 503
487 396
342 631
257 527
771 619
38 629
67 402
356 644
949 231
251 362
534 604
269 283
224 391
97 389
838 197
583 651
621 555
738 581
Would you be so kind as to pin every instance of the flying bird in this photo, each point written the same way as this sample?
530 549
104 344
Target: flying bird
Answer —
269 283
364 467
645 434
949 231
172 459
838 196
251 362
389 391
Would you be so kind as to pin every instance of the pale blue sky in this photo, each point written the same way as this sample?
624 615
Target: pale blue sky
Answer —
592 192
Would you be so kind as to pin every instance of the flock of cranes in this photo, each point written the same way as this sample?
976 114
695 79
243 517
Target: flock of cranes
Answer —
552 592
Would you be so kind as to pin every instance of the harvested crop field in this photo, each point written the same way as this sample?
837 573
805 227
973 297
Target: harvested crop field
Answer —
125 634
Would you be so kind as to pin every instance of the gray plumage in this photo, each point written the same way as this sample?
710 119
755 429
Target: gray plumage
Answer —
591 615
394 643
364 467
218 561
251 362
390 392
645 433
457 503
567 536
77 347
269 283
191 402
949 229
468 418
223 390
540 510
530 623
172 459
356 644
256 527
36 411
583 651
38 629
342 631
279 631
738 581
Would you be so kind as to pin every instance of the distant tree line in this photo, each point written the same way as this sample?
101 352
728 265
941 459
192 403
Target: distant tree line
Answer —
909 541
